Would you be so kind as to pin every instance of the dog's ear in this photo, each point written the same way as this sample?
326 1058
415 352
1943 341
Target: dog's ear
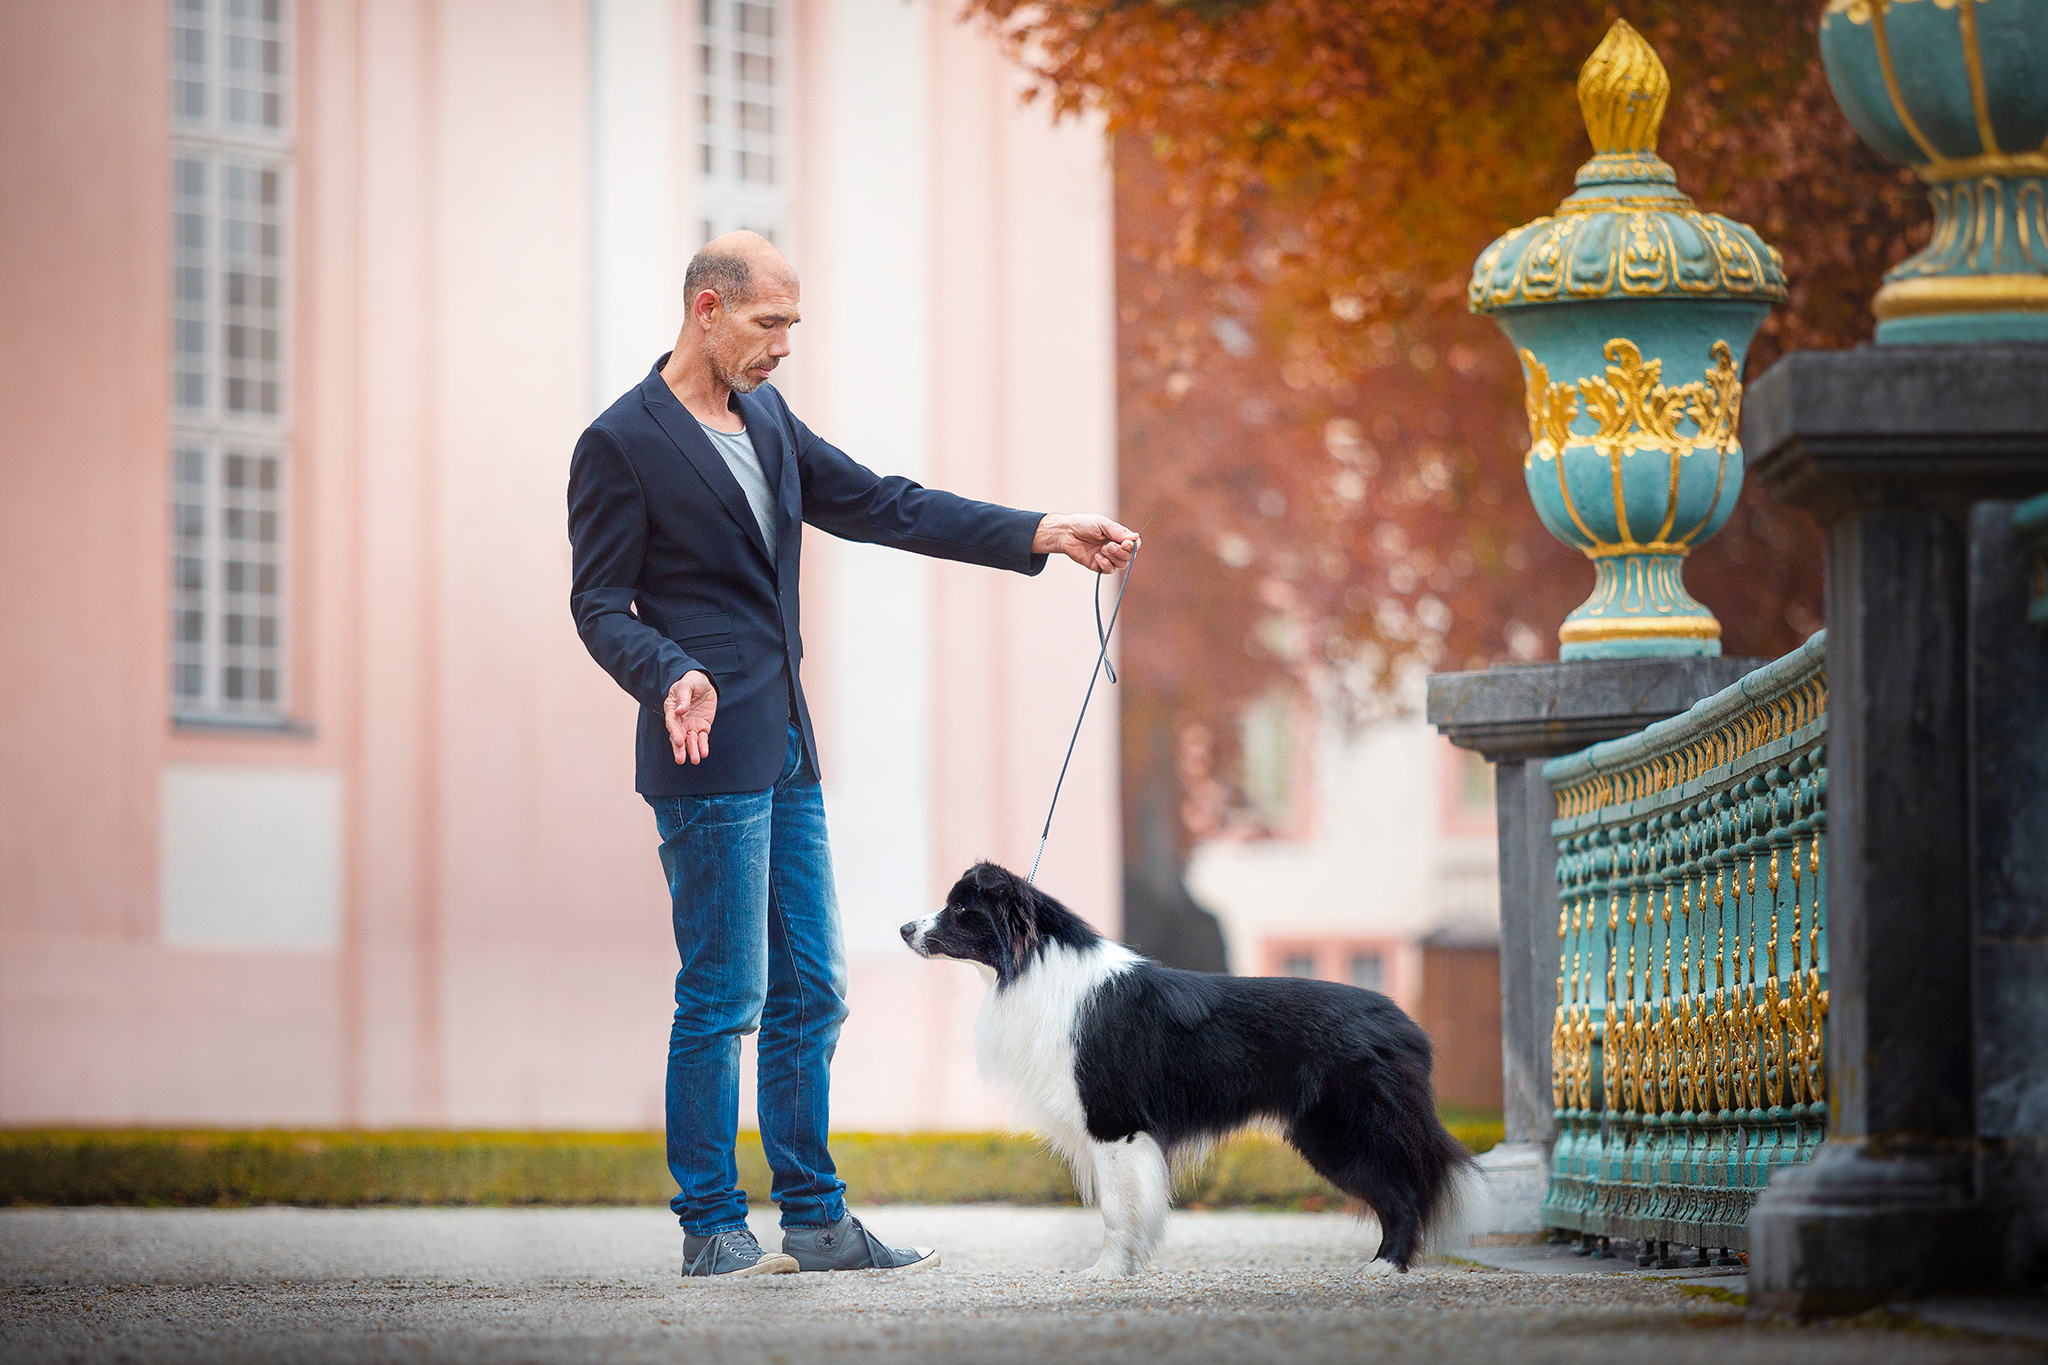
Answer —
1009 902
1019 912
999 918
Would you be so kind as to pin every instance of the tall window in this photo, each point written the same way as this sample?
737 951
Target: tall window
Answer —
743 116
230 456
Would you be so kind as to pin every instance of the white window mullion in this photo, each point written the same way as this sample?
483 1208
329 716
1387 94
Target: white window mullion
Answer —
191 63
192 610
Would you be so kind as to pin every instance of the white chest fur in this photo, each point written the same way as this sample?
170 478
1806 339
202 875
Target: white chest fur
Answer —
1024 1038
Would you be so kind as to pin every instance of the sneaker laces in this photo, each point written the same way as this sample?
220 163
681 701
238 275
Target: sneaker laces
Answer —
740 1241
883 1257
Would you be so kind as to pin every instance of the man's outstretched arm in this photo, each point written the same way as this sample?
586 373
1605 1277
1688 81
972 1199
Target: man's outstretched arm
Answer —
851 501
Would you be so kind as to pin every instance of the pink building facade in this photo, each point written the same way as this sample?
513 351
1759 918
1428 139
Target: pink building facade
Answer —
313 811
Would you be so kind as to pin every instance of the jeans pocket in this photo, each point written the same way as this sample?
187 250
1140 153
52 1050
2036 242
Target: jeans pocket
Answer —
666 818
678 815
792 755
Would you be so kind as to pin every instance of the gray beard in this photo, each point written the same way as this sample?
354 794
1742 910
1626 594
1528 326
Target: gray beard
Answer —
741 382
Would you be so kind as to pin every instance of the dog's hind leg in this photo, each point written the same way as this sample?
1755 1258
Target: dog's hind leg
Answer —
1133 1189
1375 1135
1366 1162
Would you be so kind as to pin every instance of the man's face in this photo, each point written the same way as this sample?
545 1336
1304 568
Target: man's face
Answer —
744 344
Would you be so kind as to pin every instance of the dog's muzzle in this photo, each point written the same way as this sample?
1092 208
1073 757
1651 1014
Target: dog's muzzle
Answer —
914 934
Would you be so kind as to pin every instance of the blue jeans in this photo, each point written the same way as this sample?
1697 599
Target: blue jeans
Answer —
757 926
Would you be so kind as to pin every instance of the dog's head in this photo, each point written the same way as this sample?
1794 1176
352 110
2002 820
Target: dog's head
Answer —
993 917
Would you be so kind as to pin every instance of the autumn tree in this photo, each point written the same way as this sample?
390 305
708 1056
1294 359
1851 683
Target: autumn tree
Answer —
1322 447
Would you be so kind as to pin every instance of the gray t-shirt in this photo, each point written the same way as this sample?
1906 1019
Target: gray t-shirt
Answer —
737 448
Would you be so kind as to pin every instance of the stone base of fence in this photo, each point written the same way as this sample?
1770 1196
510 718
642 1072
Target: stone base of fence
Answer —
1516 1176
1855 1227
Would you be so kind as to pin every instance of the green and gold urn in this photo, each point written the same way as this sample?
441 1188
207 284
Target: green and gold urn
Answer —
1631 310
1958 90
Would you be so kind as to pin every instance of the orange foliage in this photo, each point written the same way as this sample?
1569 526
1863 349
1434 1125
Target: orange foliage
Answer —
1322 447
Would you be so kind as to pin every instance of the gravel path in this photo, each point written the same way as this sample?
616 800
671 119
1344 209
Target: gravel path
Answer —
603 1284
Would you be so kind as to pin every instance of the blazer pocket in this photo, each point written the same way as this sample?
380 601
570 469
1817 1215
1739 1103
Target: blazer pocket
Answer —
707 638
722 660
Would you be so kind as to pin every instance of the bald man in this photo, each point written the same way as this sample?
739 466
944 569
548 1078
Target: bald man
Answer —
687 500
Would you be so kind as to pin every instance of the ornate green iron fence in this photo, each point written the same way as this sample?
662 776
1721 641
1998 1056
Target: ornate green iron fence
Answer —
1688 1048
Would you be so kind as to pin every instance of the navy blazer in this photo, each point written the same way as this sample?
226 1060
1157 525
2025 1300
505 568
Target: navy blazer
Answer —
671 573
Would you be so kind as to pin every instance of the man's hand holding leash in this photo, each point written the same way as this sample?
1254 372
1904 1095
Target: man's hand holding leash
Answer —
1092 542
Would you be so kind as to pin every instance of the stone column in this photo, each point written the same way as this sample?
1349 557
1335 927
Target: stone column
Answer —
2009 852
1888 447
1518 715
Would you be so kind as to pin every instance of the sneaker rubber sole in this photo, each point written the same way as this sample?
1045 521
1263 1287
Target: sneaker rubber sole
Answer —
928 1261
771 1263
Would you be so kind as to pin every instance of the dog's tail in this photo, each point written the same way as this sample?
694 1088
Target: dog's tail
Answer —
1411 1143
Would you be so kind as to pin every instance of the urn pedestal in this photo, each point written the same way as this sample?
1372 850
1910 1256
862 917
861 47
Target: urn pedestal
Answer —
1958 90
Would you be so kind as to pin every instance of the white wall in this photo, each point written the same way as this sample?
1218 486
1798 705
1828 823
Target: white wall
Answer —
638 245
869 332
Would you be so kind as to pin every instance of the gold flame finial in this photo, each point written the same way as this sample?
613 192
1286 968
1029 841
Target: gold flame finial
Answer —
1622 90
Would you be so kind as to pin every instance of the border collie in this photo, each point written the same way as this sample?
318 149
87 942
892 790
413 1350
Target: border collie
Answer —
1130 1069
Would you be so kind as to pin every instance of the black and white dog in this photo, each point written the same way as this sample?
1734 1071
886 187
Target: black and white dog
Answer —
1129 1068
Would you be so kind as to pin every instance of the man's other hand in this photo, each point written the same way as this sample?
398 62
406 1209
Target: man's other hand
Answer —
1092 542
691 704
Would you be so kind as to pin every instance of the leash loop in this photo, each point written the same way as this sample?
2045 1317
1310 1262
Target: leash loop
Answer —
1102 665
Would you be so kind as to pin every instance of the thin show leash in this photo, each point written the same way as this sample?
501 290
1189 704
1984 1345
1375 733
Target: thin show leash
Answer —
1102 665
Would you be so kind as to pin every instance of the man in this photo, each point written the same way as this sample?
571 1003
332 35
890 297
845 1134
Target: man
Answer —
686 504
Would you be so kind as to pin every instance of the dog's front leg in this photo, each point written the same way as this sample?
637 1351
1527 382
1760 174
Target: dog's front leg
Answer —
1133 1189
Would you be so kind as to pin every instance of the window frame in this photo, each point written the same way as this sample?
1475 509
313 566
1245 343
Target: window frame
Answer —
217 433
727 201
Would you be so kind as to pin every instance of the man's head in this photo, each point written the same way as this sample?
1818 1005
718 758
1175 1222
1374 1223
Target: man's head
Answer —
742 299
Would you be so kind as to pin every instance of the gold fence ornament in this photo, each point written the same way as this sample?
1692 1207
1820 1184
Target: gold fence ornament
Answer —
1560 1078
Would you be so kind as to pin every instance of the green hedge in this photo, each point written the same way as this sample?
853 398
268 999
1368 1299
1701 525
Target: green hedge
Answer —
350 1168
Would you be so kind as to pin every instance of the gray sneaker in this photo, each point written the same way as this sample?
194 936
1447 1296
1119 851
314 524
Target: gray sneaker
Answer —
732 1253
846 1245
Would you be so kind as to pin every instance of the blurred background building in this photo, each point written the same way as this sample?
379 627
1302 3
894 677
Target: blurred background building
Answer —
312 808
316 812
1373 863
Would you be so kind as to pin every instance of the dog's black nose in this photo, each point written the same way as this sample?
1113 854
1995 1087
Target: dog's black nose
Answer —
908 930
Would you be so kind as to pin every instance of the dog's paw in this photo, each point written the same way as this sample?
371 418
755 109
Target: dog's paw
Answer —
1107 1269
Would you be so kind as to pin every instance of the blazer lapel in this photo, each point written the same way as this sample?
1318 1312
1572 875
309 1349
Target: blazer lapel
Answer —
767 434
682 429
778 464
